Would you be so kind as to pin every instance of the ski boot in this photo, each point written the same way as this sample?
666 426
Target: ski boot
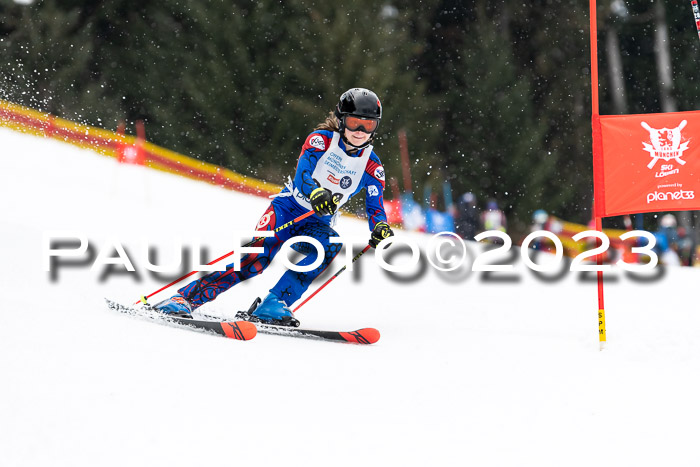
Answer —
176 306
272 310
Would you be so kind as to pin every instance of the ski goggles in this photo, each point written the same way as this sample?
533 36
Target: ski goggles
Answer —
365 125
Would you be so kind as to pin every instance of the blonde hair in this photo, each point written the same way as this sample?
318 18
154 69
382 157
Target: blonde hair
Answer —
330 124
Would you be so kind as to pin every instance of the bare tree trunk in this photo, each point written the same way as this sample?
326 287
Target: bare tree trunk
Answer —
617 76
662 50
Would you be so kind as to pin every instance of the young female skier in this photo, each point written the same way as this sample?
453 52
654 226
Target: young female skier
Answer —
336 162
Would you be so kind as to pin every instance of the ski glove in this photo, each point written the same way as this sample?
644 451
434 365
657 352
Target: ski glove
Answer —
323 202
380 232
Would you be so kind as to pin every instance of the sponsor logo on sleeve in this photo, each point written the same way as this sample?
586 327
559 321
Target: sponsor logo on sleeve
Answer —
265 220
373 190
379 173
317 142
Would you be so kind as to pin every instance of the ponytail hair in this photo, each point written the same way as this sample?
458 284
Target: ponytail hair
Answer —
330 124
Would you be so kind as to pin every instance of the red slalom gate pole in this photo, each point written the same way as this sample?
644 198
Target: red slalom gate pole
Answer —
357 256
278 229
597 163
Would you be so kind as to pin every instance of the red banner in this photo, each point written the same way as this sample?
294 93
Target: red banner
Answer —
649 163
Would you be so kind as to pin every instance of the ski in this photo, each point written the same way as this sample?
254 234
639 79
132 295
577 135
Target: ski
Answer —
360 336
239 330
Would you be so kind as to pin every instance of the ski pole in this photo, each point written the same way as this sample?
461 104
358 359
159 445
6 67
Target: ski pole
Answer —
696 13
144 298
357 256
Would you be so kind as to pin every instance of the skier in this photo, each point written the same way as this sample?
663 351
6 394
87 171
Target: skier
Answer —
336 162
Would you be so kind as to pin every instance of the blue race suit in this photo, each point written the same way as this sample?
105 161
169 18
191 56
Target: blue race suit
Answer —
291 203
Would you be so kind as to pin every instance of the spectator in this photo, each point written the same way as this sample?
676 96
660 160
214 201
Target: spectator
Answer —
493 218
467 219
667 241
686 247
540 221
437 221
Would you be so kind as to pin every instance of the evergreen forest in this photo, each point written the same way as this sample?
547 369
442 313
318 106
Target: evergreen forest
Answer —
494 96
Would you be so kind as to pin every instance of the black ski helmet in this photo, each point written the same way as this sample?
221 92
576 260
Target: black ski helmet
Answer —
359 102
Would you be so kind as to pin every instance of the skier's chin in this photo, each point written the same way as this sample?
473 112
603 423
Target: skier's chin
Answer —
357 142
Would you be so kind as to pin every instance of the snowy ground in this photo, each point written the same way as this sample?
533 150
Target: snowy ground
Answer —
468 371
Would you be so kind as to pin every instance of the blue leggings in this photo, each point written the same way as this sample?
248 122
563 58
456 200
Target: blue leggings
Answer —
291 285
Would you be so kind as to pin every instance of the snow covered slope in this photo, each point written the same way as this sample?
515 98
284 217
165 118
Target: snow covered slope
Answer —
470 370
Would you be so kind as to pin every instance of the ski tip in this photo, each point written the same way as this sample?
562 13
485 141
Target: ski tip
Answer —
249 330
240 330
362 336
371 334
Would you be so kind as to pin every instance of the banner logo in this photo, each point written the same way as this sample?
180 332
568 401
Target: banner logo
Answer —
670 195
665 145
